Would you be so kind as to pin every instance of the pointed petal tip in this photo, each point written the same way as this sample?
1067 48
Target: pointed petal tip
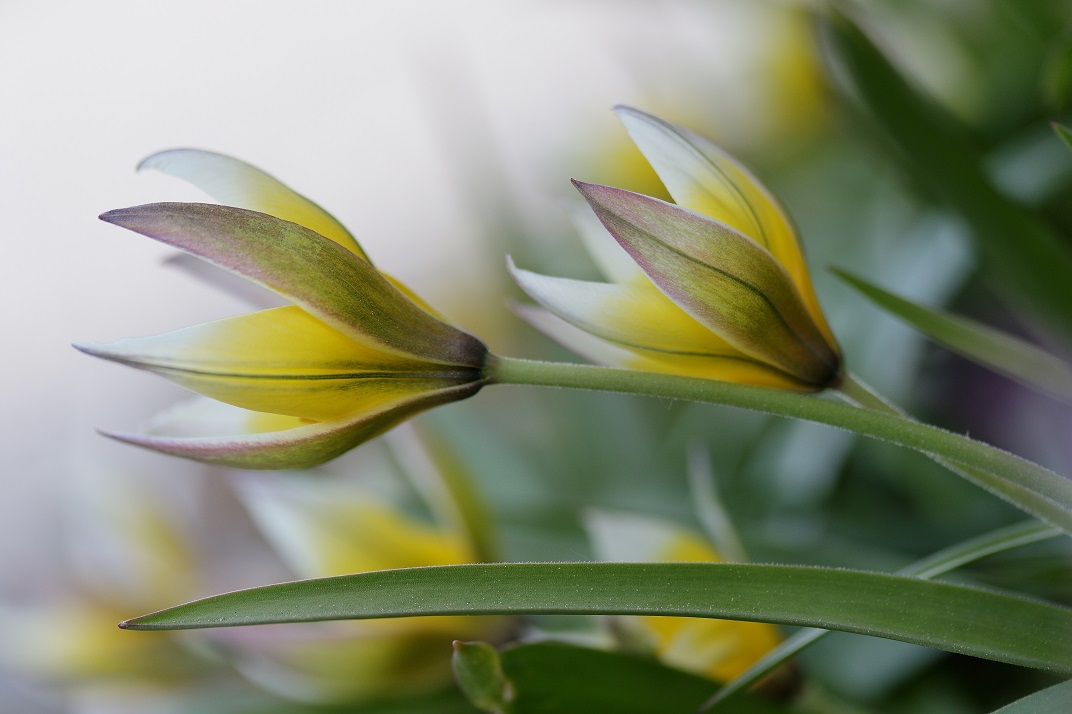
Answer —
122 216
125 437
625 109
151 161
102 350
586 189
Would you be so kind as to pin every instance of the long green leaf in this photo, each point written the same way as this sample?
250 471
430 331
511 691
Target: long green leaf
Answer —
1021 255
956 618
944 561
998 350
1052 700
1024 484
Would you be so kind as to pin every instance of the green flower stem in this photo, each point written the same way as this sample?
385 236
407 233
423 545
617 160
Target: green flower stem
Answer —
857 392
1024 484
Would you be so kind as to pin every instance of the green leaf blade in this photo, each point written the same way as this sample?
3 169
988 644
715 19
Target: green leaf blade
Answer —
993 348
956 618
1064 133
1026 485
1052 700
1022 255
932 566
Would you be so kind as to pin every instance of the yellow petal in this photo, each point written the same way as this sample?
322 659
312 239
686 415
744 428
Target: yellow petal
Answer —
314 273
79 642
720 649
701 176
267 441
728 369
327 531
281 361
633 316
723 279
236 183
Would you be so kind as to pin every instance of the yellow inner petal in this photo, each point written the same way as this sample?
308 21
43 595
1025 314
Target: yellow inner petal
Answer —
235 183
702 177
720 649
342 537
284 361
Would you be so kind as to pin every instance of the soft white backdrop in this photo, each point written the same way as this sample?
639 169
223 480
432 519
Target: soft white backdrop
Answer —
368 107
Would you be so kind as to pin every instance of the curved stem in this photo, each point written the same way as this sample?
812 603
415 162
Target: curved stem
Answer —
1024 484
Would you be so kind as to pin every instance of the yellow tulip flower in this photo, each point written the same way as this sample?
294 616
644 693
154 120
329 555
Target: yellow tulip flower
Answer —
142 557
718 287
322 530
718 649
353 355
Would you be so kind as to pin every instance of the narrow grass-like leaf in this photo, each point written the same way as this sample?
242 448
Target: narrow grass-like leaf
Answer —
1052 700
932 566
1021 255
998 350
956 618
1024 484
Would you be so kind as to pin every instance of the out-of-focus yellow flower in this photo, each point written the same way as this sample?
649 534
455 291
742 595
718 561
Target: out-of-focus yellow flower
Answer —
719 649
721 290
321 530
355 354
142 559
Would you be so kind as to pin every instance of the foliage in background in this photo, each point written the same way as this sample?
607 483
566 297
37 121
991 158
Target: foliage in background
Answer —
909 180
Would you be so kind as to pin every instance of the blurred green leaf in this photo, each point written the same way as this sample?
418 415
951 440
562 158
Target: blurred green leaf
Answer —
956 618
1064 132
557 678
1024 484
1021 255
998 350
1052 700
479 673
932 566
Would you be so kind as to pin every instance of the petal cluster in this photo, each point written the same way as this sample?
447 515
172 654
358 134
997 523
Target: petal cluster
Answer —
718 649
352 355
717 286
323 530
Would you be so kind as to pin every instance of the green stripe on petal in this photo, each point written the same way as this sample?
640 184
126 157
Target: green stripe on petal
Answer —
236 183
281 361
317 274
702 177
725 280
303 446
